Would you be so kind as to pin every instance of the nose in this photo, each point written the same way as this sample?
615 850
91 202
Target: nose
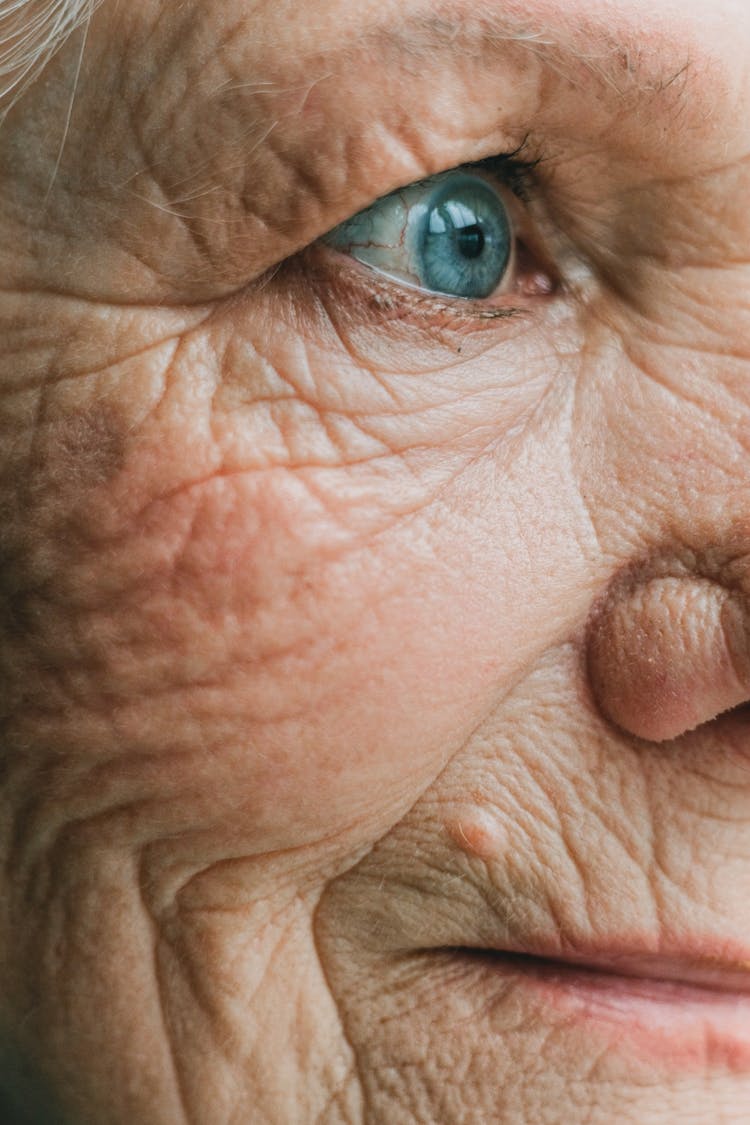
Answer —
668 653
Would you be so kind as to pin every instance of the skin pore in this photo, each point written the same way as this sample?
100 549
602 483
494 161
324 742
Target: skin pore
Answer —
350 633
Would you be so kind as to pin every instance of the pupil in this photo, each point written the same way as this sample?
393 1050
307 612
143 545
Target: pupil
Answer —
470 241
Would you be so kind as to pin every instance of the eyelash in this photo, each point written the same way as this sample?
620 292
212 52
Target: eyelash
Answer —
513 170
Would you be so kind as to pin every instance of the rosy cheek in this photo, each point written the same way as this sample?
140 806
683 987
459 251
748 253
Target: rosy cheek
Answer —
250 626
217 652
230 655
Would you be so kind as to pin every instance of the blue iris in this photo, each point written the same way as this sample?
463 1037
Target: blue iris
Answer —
464 244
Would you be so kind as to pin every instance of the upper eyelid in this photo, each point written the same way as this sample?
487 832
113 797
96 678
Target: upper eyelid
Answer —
507 169
517 171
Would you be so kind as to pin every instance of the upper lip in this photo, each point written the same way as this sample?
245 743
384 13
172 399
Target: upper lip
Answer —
690 963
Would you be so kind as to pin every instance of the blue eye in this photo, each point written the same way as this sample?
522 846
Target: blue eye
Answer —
450 235
466 239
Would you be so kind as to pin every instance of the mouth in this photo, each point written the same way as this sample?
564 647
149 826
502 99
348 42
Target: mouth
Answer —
686 1010
651 976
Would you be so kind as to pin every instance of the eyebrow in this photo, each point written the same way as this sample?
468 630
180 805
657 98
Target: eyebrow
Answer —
616 60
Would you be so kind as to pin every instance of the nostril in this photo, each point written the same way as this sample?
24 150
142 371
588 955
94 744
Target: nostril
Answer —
740 714
668 655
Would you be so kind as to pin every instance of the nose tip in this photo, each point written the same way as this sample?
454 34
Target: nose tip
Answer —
668 654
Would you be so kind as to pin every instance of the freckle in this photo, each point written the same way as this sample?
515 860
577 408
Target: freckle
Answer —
478 833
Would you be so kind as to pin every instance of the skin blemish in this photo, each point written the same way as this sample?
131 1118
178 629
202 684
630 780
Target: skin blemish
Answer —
477 833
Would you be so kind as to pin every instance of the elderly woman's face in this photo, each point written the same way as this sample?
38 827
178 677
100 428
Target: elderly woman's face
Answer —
374 635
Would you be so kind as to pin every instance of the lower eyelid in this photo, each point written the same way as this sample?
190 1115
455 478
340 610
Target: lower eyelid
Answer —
365 294
534 283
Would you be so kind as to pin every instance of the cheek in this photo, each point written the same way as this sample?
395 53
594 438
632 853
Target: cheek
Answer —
663 445
271 653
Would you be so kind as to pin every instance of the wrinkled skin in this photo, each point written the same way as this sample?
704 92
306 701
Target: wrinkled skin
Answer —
346 630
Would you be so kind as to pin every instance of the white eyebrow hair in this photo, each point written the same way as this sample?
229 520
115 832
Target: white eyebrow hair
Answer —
620 66
31 31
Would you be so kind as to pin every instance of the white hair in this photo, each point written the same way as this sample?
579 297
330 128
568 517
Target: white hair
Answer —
31 31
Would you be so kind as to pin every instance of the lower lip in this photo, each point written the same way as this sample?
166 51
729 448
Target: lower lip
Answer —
674 1023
